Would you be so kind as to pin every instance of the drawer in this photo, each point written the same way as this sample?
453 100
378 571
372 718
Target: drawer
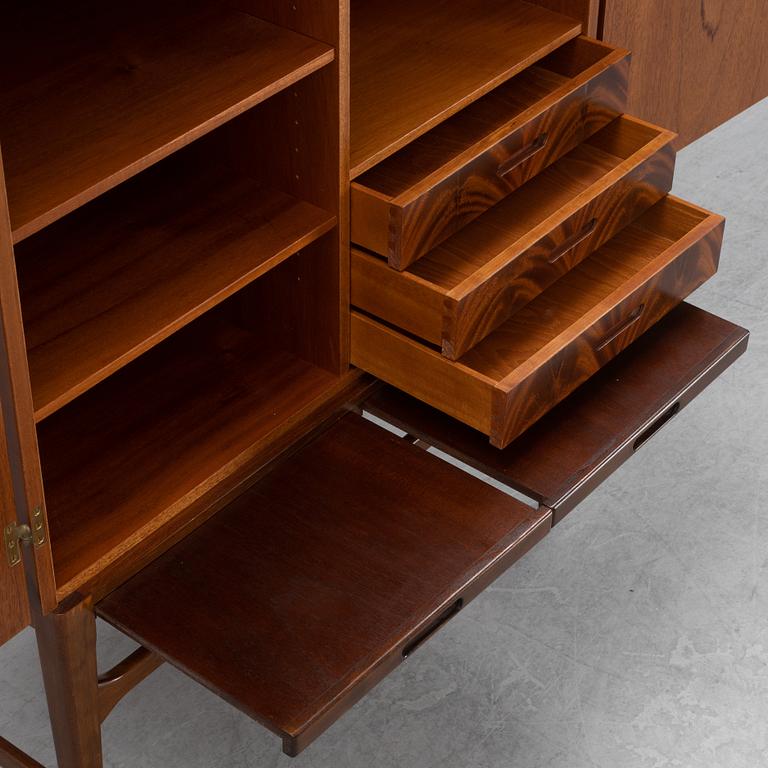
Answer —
558 340
579 443
297 598
471 283
416 198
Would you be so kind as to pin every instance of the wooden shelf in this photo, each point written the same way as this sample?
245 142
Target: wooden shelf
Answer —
416 63
100 92
329 571
121 274
133 453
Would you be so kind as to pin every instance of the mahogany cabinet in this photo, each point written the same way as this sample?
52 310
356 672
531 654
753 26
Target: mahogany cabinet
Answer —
232 232
699 61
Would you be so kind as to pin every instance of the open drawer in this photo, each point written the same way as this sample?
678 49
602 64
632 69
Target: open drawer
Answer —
297 598
468 285
562 337
442 180
571 450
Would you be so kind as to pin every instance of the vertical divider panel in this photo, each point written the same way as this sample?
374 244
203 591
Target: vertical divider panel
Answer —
298 141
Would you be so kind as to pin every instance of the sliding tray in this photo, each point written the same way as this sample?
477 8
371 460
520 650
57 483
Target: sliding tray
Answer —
449 176
565 455
468 285
562 337
296 599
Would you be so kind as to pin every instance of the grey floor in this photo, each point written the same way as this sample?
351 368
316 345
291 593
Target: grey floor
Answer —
636 635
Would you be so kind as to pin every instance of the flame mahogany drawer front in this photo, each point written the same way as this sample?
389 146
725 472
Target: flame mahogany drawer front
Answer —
558 340
564 456
470 284
441 181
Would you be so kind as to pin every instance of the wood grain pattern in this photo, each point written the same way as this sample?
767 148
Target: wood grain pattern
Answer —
466 287
14 604
342 556
192 412
105 91
12 757
326 20
586 11
415 64
120 275
66 642
287 435
299 141
544 351
442 181
579 443
698 62
20 440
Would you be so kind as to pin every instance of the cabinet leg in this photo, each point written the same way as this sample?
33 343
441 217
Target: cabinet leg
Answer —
66 640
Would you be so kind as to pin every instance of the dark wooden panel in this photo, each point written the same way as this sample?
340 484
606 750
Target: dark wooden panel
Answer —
443 180
413 64
695 62
302 594
572 449
93 94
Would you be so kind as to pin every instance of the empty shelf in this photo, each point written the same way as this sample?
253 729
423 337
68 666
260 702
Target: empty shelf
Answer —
117 87
121 274
125 458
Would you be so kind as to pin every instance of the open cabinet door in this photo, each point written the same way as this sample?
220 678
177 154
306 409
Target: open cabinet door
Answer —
14 605
27 585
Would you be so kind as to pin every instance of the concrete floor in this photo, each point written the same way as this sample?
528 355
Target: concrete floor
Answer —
636 635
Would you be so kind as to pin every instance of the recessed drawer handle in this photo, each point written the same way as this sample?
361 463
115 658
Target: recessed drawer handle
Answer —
571 242
523 154
656 425
623 326
444 617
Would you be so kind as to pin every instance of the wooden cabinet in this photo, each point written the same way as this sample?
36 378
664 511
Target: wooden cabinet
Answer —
698 62
178 404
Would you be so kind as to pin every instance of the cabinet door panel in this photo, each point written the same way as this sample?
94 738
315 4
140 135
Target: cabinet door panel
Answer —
21 488
695 63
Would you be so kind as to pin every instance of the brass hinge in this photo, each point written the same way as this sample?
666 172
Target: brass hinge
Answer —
14 535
